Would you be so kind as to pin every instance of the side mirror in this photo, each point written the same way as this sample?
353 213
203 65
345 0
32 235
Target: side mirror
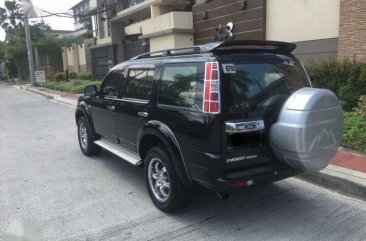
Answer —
90 90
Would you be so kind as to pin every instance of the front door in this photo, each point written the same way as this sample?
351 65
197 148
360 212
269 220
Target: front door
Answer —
104 105
133 109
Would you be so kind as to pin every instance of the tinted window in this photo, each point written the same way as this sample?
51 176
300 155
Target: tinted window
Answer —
112 85
182 86
139 83
252 83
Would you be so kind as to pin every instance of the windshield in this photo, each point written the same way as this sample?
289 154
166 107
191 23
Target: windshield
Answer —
255 82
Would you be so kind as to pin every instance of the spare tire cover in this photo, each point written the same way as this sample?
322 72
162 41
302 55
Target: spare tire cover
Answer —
309 129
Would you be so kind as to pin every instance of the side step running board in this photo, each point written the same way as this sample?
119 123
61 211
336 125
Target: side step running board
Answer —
124 153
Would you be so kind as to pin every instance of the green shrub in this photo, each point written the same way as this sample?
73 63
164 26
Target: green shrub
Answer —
361 106
73 75
329 74
84 76
59 76
354 136
73 86
345 78
354 88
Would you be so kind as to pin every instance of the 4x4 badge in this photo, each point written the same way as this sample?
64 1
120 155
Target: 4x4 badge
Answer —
229 68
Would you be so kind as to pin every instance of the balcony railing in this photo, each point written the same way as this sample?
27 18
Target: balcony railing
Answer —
165 22
124 4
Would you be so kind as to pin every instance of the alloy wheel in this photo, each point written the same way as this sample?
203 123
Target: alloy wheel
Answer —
83 136
159 179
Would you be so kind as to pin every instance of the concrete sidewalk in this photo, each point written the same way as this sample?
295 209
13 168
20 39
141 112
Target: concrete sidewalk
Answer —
62 97
345 174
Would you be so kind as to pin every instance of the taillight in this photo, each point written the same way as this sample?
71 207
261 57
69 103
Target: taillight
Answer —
211 101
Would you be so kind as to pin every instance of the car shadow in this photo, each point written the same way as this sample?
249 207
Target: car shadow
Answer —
200 196
289 208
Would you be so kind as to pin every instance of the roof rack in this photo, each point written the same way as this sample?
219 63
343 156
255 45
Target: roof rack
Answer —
226 45
170 52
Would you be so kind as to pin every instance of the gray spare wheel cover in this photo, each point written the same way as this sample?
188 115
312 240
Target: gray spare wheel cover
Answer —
309 129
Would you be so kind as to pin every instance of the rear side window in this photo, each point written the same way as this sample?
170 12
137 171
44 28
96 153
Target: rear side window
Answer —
181 86
139 83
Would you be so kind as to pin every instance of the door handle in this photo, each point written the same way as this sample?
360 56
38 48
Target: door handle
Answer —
143 114
111 107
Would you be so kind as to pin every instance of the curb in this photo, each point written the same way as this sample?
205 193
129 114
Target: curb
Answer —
53 97
60 100
48 96
346 183
353 152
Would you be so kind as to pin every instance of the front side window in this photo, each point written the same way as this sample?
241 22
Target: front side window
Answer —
139 85
112 85
181 86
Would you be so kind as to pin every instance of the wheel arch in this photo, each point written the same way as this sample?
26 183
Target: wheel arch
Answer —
155 133
83 111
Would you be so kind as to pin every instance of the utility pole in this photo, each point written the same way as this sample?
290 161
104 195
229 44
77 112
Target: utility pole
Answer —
36 58
30 51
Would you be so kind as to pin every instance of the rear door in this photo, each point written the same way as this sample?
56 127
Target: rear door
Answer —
103 106
133 108
254 88
180 103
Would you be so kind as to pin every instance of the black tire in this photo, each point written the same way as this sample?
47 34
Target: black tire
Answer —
178 193
87 146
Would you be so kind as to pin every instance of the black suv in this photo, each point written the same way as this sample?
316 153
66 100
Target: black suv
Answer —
224 115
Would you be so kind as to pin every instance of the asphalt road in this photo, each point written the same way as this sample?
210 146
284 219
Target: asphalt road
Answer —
45 178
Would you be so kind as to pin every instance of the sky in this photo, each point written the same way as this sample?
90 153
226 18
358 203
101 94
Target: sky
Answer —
52 6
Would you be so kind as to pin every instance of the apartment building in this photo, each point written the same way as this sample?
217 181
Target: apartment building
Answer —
352 30
131 27
326 29
84 25
121 29
76 58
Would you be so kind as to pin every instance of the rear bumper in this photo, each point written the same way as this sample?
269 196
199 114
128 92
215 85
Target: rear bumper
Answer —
218 179
241 180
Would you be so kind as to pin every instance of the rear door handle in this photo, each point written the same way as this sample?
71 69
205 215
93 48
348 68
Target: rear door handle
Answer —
111 107
143 114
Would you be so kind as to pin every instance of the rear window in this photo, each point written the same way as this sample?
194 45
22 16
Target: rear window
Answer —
181 86
255 82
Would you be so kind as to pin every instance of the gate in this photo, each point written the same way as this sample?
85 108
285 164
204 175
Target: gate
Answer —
134 46
102 59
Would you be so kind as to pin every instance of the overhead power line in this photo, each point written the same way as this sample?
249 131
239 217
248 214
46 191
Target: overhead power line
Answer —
71 15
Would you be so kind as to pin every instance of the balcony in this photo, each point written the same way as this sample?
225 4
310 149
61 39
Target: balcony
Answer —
173 22
140 9
92 5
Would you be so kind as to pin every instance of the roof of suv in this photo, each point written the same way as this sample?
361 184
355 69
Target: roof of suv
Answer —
222 46
211 48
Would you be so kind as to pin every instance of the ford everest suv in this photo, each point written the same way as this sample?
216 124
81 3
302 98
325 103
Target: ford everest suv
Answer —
224 115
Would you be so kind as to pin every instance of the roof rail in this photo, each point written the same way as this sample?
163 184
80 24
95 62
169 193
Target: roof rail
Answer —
171 52
217 46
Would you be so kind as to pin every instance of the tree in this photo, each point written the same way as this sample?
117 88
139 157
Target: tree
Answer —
10 16
14 51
